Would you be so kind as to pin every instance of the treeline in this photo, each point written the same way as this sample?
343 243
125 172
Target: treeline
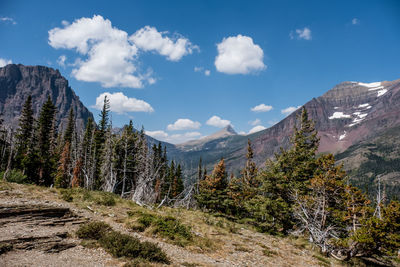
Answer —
94 158
302 193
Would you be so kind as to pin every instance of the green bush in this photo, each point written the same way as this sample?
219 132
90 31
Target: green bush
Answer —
93 230
106 199
121 245
167 227
15 176
66 195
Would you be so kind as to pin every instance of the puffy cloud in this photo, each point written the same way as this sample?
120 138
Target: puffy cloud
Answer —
160 135
257 129
183 124
109 55
4 62
217 122
304 33
61 60
8 19
261 108
175 138
239 55
355 21
149 39
289 110
201 69
255 122
120 103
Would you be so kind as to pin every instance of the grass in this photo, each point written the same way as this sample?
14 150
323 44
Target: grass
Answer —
121 245
89 197
164 226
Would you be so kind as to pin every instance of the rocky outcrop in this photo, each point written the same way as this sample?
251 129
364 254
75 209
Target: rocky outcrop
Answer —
46 226
19 81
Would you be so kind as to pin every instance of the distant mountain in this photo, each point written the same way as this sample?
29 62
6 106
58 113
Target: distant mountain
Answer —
346 115
19 81
199 143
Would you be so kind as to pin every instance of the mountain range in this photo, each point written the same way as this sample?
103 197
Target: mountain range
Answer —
358 122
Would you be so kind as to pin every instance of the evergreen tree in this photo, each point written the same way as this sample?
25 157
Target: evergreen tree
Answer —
69 131
177 182
62 179
88 154
24 133
46 141
100 138
213 192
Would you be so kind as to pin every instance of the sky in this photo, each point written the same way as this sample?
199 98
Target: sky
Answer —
185 69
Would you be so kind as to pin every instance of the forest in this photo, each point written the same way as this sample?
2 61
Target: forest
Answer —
299 192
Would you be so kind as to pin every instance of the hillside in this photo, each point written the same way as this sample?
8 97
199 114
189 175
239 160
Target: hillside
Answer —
56 215
349 113
19 81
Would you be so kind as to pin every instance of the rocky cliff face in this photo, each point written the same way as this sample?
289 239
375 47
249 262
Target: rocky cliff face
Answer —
19 81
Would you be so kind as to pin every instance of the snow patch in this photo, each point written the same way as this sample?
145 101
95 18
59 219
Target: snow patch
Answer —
341 137
339 115
363 105
336 107
375 88
382 92
362 116
370 85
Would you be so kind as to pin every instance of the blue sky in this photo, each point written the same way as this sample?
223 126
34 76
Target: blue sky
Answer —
183 69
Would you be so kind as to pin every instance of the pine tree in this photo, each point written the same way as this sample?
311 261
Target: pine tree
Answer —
46 141
177 182
100 138
213 189
69 131
88 149
24 133
62 179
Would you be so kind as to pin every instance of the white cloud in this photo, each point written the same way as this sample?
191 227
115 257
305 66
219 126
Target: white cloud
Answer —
217 122
239 55
61 60
149 39
304 33
175 138
261 108
207 72
355 21
183 124
289 110
257 129
198 69
8 19
160 135
255 122
108 54
4 62
120 103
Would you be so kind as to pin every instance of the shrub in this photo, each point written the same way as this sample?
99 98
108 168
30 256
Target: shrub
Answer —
168 227
93 230
106 199
121 245
15 176
66 195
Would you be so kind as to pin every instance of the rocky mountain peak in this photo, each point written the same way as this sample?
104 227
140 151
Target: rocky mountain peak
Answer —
19 81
